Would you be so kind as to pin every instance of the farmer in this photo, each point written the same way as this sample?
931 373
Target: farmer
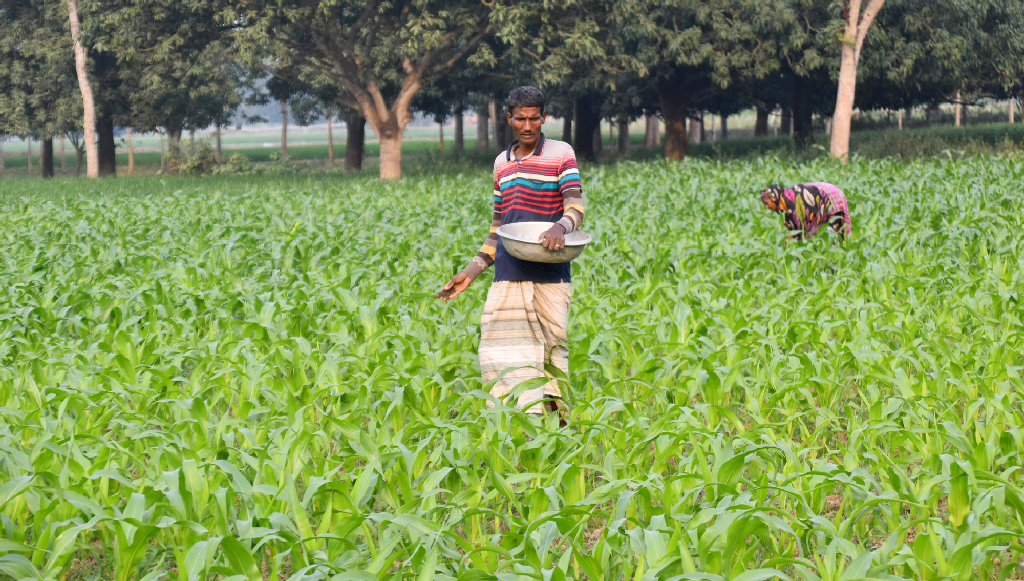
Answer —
808 207
526 315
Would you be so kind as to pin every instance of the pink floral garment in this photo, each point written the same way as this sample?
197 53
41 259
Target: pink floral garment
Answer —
810 206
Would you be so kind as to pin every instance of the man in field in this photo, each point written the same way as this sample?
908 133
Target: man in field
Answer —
525 318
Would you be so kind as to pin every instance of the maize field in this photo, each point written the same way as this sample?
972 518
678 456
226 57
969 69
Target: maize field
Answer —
238 378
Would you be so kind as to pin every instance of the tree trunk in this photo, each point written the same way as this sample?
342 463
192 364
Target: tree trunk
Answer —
388 123
440 135
786 121
105 142
390 157
163 155
482 120
857 25
598 139
284 130
499 133
88 104
330 142
173 149
674 111
192 140
611 133
3 162
131 152
506 131
63 158
501 128
695 132
28 143
899 119
46 158
587 119
459 137
507 135
956 111
652 131
1011 109
761 123
217 133
623 136
803 126
355 141
567 129
724 132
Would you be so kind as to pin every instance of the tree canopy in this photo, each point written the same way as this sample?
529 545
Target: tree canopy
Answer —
173 66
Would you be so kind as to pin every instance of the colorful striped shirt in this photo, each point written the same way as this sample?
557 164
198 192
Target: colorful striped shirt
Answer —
541 187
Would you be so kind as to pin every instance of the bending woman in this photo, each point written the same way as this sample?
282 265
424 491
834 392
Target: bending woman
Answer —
808 207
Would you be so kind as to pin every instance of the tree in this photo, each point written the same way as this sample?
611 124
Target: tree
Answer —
190 91
159 65
282 86
570 50
88 101
38 94
923 52
317 97
858 22
799 39
689 49
380 53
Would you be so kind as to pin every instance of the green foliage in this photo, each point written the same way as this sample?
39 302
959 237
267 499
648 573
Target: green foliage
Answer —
924 51
227 376
377 55
38 89
205 161
999 139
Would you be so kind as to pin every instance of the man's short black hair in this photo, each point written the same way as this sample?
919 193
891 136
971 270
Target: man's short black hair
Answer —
525 96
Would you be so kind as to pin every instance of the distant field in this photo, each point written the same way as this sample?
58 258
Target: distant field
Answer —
996 137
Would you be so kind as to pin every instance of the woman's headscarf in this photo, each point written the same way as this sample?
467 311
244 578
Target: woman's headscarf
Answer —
772 197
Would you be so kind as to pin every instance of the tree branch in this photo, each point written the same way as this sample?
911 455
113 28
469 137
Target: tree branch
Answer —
371 7
472 44
350 103
380 105
864 24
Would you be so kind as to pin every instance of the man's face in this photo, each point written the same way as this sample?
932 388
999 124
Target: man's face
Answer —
526 122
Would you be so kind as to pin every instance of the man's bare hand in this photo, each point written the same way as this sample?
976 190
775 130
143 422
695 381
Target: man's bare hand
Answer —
553 238
455 286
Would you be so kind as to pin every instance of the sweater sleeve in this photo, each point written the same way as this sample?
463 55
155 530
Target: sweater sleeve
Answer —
571 187
485 257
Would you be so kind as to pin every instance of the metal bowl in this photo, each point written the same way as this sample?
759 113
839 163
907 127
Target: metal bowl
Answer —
522 240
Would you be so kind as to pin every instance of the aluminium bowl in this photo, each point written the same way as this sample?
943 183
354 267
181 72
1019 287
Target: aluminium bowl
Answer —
522 240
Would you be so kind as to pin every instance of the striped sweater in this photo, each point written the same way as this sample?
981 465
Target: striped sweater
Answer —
541 187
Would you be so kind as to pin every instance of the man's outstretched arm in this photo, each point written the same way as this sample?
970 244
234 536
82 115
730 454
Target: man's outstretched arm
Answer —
480 262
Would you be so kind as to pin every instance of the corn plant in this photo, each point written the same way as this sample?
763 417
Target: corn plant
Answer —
226 378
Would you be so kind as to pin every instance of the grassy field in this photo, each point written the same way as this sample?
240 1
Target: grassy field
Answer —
247 378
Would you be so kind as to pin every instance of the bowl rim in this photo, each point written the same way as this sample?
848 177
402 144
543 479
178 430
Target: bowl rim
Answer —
586 240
